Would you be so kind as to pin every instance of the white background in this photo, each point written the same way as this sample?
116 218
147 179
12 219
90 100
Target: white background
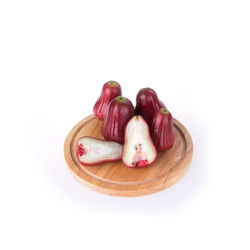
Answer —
54 58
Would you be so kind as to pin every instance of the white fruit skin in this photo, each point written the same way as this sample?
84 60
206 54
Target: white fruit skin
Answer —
136 132
100 150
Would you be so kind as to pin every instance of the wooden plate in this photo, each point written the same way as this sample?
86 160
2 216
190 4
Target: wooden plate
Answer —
116 179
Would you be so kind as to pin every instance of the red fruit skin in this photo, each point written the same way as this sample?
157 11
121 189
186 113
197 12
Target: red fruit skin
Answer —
116 119
147 102
108 93
162 130
80 152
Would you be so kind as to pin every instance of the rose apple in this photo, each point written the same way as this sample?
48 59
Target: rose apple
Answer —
147 102
138 150
162 129
110 90
92 151
120 111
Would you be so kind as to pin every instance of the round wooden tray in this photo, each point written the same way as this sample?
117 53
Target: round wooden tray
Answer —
116 179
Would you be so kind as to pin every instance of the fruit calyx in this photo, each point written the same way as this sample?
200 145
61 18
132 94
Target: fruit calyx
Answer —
81 149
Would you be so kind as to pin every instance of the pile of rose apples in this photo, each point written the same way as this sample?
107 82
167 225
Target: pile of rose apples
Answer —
131 134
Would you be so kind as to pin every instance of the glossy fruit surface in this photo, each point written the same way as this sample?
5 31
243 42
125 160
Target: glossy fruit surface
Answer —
162 130
120 111
147 102
138 149
110 90
92 151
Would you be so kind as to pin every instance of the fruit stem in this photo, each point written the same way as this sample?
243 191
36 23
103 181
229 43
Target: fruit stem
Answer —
164 111
112 84
120 99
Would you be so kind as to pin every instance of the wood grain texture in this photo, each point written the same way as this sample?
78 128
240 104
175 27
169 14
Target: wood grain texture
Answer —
116 179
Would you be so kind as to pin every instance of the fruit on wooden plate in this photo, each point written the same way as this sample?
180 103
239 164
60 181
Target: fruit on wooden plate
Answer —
120 111
138 149
162 129
92 151
110 90
147 102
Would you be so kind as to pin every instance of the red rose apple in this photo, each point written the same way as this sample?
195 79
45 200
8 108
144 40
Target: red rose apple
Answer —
147 103
120 111
162 129
110 90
